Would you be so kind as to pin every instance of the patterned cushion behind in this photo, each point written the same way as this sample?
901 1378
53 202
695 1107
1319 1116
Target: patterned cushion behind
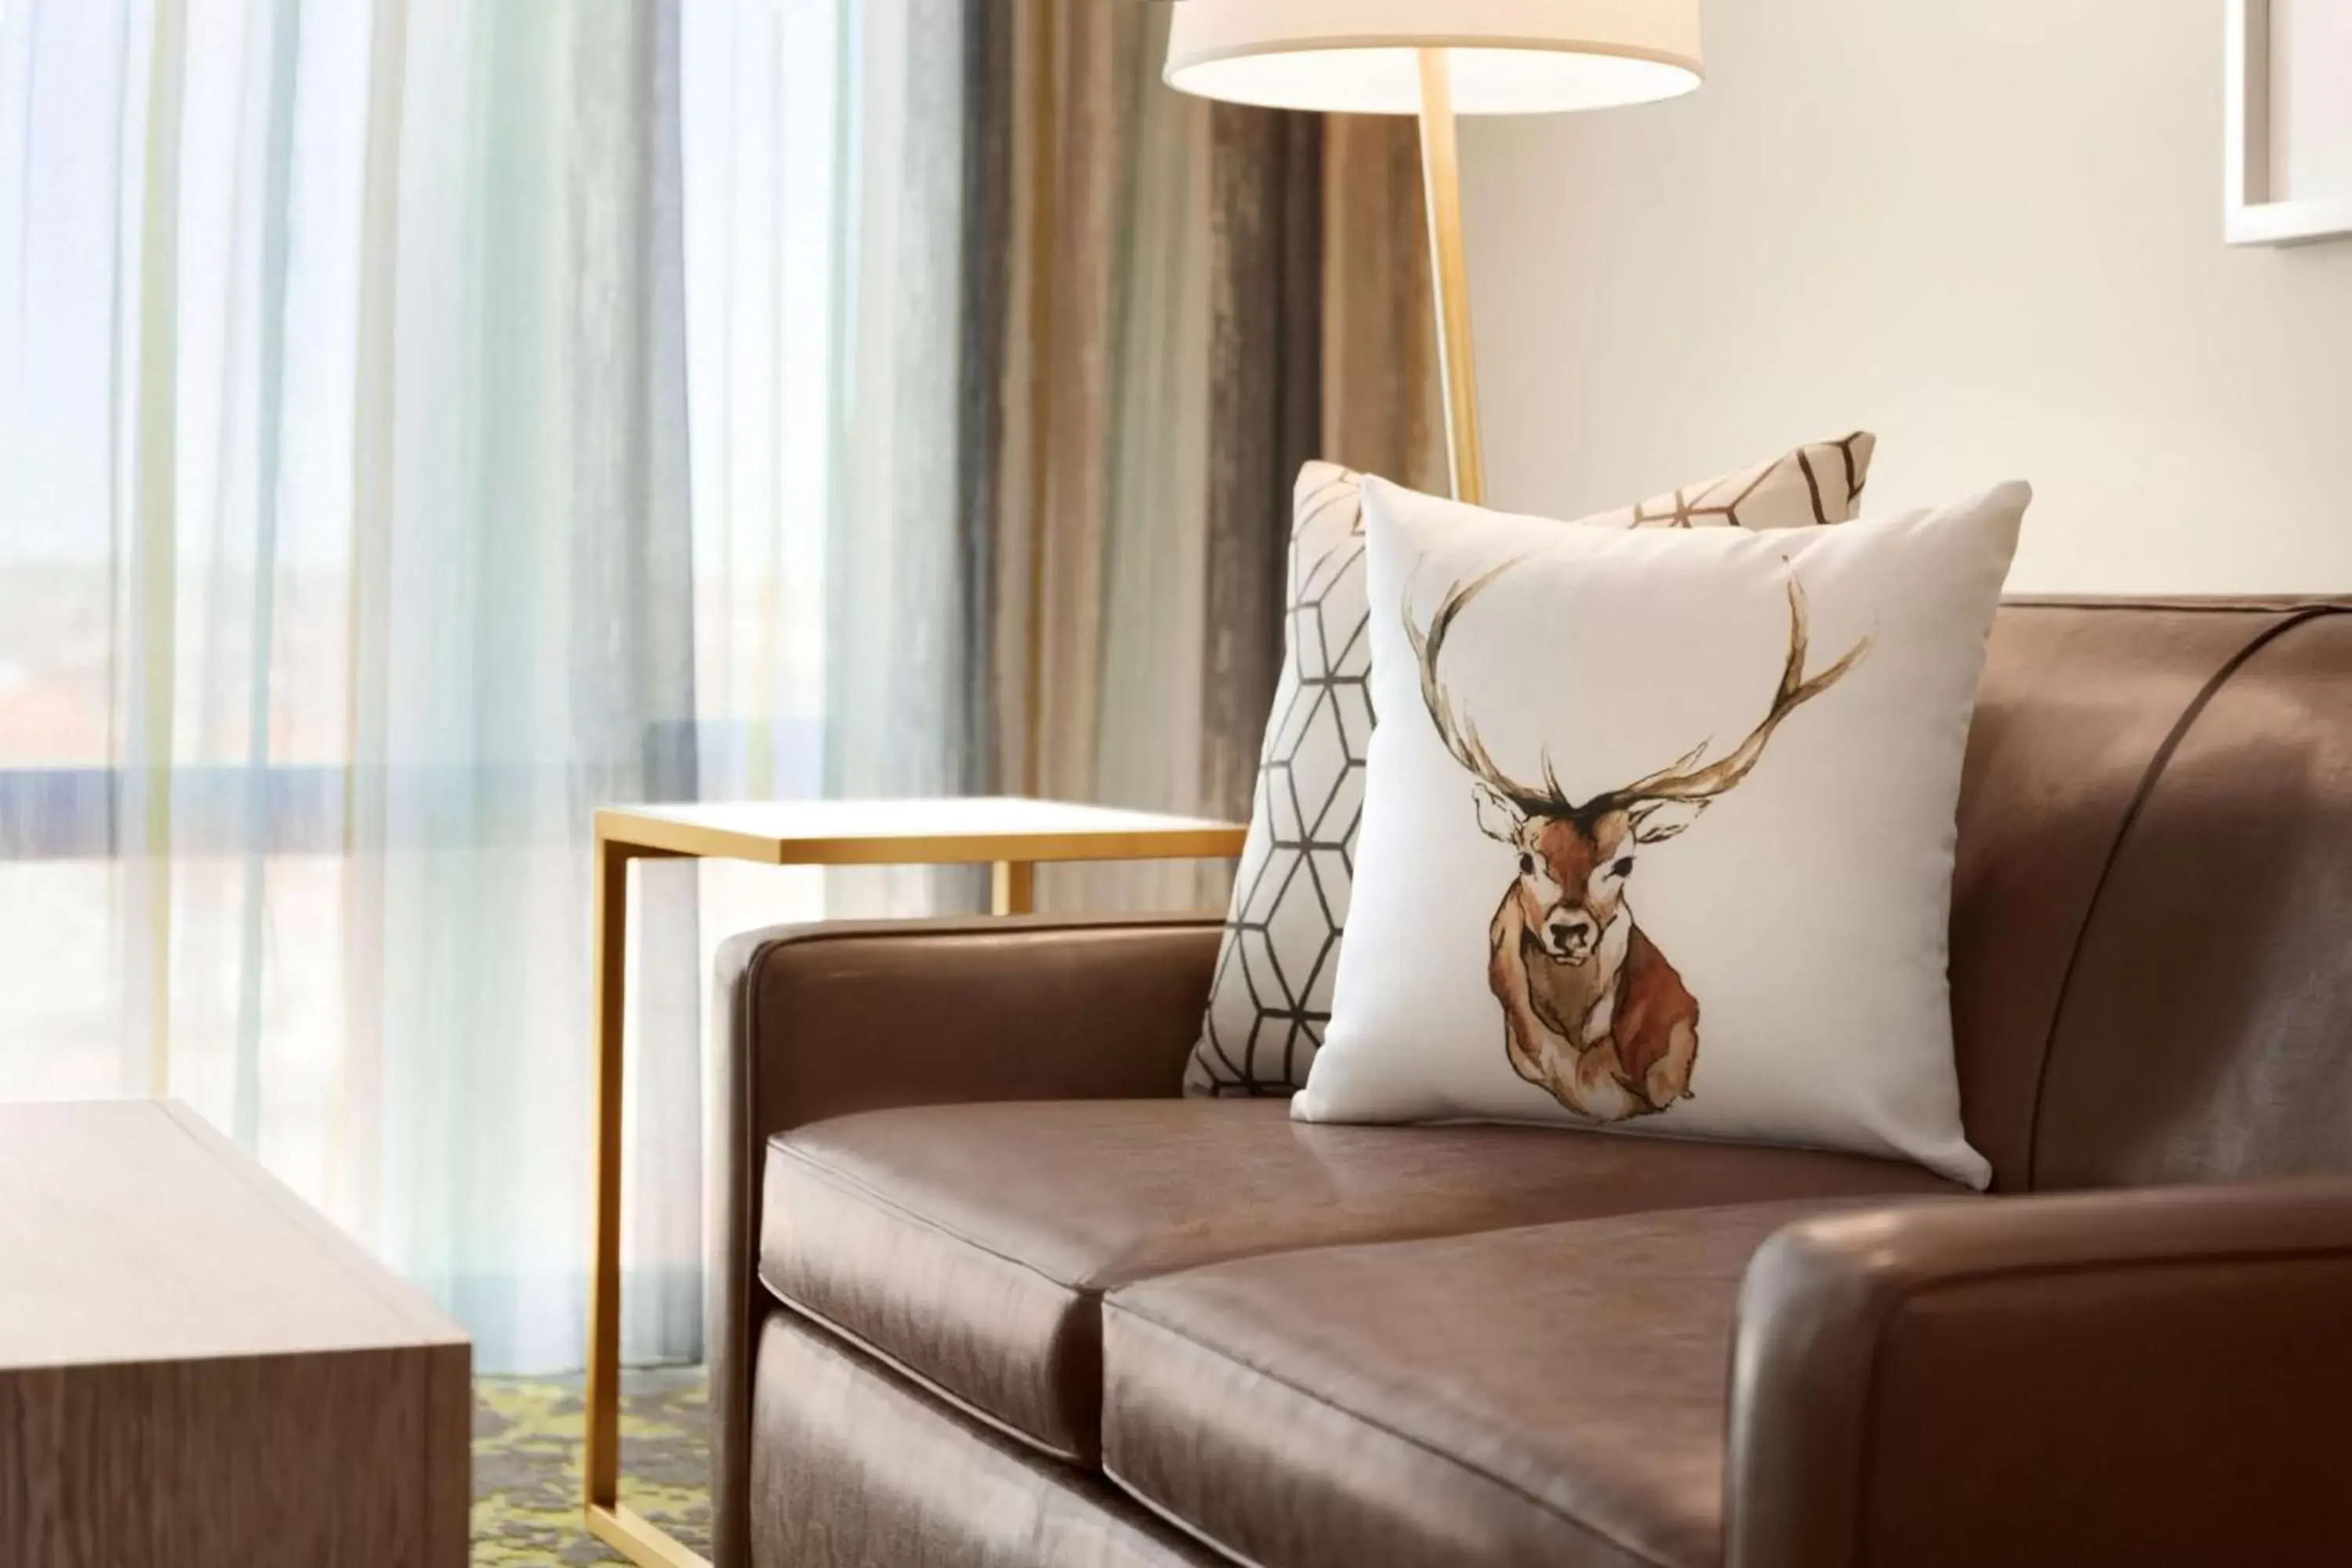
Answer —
1272 994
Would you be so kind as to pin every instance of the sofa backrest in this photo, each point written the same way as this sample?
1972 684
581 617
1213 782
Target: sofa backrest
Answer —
2152 906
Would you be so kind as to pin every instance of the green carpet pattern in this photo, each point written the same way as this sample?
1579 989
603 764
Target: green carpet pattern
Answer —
527 1435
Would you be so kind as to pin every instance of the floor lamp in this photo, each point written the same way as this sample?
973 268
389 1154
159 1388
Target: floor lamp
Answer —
1438 59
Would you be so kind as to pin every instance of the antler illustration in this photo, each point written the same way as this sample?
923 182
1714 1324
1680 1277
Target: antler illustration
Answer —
1461 735
1681 780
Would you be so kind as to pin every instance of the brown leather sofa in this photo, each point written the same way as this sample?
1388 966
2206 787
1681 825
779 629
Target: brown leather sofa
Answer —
989 1292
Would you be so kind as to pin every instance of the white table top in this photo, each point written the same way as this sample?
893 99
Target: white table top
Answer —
917 832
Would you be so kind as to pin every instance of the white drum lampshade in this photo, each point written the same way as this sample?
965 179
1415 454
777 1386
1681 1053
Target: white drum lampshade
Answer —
1362 56
1438 59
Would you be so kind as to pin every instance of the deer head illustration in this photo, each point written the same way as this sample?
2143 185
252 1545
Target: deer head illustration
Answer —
1567 954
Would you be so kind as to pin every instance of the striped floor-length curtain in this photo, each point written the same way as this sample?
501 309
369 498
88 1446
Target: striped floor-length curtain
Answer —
1382 412
1146 366
842 288
1266 399
343 569
1095 161
898 719
1003 357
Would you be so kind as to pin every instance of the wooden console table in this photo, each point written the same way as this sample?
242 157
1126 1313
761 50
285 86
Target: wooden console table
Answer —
195 1369
1011 835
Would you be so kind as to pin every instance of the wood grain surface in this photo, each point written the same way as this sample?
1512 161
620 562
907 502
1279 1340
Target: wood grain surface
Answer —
197 1370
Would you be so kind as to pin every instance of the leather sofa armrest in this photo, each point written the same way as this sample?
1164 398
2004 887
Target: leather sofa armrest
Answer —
816 1021
2158 1376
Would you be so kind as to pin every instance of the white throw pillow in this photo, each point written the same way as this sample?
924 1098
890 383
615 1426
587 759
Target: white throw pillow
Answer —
1658 827
1272 994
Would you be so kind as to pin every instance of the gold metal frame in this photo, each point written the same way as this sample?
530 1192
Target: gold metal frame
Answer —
895 832
1441 184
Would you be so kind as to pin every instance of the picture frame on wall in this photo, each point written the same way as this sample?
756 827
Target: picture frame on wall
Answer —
2287 131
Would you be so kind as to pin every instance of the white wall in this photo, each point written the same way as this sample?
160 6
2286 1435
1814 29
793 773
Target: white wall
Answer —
1988 229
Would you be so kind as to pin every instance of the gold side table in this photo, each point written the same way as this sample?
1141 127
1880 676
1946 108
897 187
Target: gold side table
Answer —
1011 835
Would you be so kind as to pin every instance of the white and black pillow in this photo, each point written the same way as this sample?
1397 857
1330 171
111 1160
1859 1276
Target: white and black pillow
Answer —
1272 994
1658 829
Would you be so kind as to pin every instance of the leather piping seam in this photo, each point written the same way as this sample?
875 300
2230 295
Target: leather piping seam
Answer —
2150 778
1516 1489
1917 1290
846 1185
954 928
825 1324
1177 1521
844 1182
2193 605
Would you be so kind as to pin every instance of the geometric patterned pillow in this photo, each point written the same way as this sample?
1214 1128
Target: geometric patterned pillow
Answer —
1272 993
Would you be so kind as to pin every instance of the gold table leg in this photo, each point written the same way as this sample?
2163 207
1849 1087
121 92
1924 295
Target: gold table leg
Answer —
635 1537
1012 887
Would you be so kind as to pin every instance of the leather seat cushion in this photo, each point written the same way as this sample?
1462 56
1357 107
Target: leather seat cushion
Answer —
969 1245
851 1465
1551 1394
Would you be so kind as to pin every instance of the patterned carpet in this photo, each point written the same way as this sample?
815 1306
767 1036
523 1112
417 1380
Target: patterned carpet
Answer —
527 1465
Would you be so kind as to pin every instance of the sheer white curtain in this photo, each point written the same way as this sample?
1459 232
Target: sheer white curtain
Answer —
824 193
350 351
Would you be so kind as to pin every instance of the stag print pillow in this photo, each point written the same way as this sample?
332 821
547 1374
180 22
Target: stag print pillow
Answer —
1658 827
1272 994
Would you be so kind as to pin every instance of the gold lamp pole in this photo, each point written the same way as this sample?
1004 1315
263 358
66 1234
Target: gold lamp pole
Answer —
1434 58
1458 373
